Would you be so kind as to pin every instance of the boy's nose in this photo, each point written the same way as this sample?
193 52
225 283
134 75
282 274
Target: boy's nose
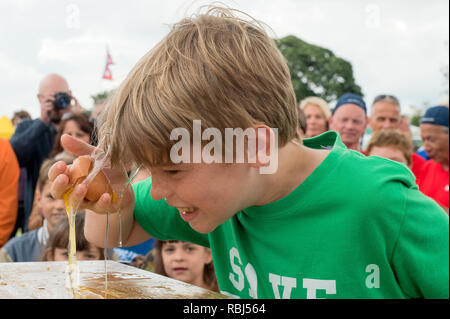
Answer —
59 204
158 190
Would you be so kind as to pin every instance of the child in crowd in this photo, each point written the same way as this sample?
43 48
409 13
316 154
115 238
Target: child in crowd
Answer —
29 245
57 245
391 144
185 261
298 218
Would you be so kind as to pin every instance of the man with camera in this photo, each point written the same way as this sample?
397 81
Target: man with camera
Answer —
33 139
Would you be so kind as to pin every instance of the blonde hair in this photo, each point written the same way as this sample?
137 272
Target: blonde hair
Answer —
215 67
392 138
321 103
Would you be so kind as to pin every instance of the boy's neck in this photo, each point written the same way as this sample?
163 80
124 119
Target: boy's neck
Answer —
295 163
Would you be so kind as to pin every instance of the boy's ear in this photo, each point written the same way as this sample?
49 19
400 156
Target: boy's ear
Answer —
261 149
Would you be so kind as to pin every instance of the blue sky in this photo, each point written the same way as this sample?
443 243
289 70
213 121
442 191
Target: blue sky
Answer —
396 47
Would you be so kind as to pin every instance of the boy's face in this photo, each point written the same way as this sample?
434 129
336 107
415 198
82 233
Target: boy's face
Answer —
52 209
389 152
206 195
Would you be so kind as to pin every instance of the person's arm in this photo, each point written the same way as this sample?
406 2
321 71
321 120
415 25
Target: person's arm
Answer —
421 254
102 212
136 208
25 138
9 189
95 226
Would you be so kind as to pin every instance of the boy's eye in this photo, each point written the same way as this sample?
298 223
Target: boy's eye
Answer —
172 171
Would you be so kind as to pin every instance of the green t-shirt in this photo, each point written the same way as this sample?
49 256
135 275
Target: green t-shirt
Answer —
357 227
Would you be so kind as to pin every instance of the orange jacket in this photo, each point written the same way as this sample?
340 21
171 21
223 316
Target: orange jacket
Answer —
9 188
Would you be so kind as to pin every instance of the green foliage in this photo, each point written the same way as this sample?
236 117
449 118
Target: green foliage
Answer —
418 112
415 118
316 71
100 97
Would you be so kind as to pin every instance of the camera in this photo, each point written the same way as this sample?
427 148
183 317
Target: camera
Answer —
62 100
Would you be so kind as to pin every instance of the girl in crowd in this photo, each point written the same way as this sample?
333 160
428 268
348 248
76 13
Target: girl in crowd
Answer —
186 262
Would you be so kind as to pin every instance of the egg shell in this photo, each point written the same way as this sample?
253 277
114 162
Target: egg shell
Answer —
80 168
98 186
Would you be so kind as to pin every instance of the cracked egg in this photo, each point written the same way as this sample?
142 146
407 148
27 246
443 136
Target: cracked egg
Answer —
80 169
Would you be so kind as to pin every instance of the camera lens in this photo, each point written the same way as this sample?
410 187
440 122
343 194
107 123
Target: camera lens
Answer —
62 100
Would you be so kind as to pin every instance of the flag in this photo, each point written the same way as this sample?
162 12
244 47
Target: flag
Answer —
107 75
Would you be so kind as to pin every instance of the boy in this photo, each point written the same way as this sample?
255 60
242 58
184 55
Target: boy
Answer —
29 245
288 233
391 144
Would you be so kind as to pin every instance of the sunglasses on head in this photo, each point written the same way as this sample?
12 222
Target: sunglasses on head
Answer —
383 97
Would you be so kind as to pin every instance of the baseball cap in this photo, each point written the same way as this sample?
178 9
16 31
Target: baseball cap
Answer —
437 115
350 98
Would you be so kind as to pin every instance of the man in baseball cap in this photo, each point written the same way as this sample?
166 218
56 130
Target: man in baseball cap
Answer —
349 119
433 180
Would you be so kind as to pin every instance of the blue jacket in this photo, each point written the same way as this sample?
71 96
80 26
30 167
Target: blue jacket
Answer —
32 142
28 246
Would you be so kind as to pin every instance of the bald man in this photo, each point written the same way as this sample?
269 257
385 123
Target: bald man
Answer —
33 140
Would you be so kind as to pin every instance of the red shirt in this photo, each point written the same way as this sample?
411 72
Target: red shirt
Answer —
432 180
417 164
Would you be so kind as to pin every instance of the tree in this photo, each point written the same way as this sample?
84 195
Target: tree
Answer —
418 112
316 71
100 97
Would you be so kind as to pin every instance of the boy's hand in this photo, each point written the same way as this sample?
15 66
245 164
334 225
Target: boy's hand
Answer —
59 176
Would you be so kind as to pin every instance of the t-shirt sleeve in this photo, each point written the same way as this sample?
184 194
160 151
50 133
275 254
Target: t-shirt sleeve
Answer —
161 220
421 254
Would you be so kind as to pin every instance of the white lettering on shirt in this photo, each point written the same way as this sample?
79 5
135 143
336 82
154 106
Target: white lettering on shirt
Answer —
312 285
250 274
287 282
239 283
373 280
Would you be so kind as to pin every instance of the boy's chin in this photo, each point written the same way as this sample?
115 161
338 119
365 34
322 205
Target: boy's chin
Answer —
202 228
